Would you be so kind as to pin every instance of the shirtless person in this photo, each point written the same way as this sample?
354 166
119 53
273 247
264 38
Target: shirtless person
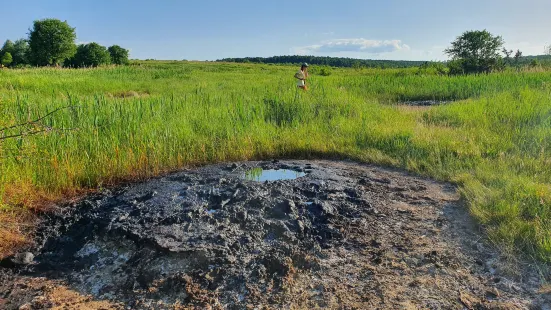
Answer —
301 76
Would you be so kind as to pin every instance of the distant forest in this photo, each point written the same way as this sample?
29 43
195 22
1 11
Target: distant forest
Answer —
327 61
352 62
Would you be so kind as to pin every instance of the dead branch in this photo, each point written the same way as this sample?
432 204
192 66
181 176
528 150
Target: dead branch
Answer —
35 125
33 122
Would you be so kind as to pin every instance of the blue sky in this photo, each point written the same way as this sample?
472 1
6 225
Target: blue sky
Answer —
213 29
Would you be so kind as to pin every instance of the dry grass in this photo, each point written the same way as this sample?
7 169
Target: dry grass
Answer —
15 228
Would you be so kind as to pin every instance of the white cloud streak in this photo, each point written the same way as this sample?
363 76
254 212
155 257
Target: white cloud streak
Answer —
354 45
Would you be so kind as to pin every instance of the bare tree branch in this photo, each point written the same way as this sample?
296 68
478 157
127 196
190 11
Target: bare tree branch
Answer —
22 134
30 133
34 127
36 120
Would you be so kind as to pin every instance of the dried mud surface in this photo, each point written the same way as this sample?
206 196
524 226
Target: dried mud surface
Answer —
345 236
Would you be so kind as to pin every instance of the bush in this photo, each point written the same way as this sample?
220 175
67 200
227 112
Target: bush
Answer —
6 59
325 71
22 66
90 55
455 67
119 55
432 68
321 70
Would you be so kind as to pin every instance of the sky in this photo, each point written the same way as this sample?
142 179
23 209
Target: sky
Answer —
215 29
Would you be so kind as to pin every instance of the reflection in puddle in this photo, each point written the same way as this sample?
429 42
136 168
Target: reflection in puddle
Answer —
261 175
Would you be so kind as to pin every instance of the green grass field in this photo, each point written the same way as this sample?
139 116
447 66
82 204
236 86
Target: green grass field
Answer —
133 122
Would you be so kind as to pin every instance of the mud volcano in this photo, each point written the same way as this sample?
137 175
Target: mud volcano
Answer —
332 234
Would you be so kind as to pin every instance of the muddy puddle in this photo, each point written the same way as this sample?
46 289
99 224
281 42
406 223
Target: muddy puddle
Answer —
263 175
325 234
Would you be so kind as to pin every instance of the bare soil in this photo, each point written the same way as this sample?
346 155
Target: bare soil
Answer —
345 236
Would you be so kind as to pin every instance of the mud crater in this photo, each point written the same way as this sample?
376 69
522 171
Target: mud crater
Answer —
340 235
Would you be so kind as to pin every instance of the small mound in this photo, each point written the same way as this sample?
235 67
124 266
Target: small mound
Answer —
341 236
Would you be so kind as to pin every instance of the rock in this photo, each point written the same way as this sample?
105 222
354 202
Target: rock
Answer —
26 306
18 260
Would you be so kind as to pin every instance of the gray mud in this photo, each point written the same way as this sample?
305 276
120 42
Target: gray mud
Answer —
345 236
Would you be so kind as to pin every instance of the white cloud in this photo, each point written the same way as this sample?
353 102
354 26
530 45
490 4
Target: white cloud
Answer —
354 45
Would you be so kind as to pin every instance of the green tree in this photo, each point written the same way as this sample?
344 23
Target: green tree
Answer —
7 47
51 41
90 55
518 55
547 50
119 55
508 54
6 59
20 52
476 51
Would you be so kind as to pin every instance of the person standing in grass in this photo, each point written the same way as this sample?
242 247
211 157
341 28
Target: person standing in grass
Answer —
301 76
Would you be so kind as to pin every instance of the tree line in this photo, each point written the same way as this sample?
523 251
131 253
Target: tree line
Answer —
51 42
476 51
327 61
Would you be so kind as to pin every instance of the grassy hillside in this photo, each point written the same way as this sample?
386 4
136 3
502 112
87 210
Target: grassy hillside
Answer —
127 123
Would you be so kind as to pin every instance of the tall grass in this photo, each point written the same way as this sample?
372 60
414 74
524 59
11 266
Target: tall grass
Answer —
135 122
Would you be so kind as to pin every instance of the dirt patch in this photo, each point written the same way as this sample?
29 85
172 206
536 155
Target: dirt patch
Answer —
424 103
342 236
128 94
26 293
